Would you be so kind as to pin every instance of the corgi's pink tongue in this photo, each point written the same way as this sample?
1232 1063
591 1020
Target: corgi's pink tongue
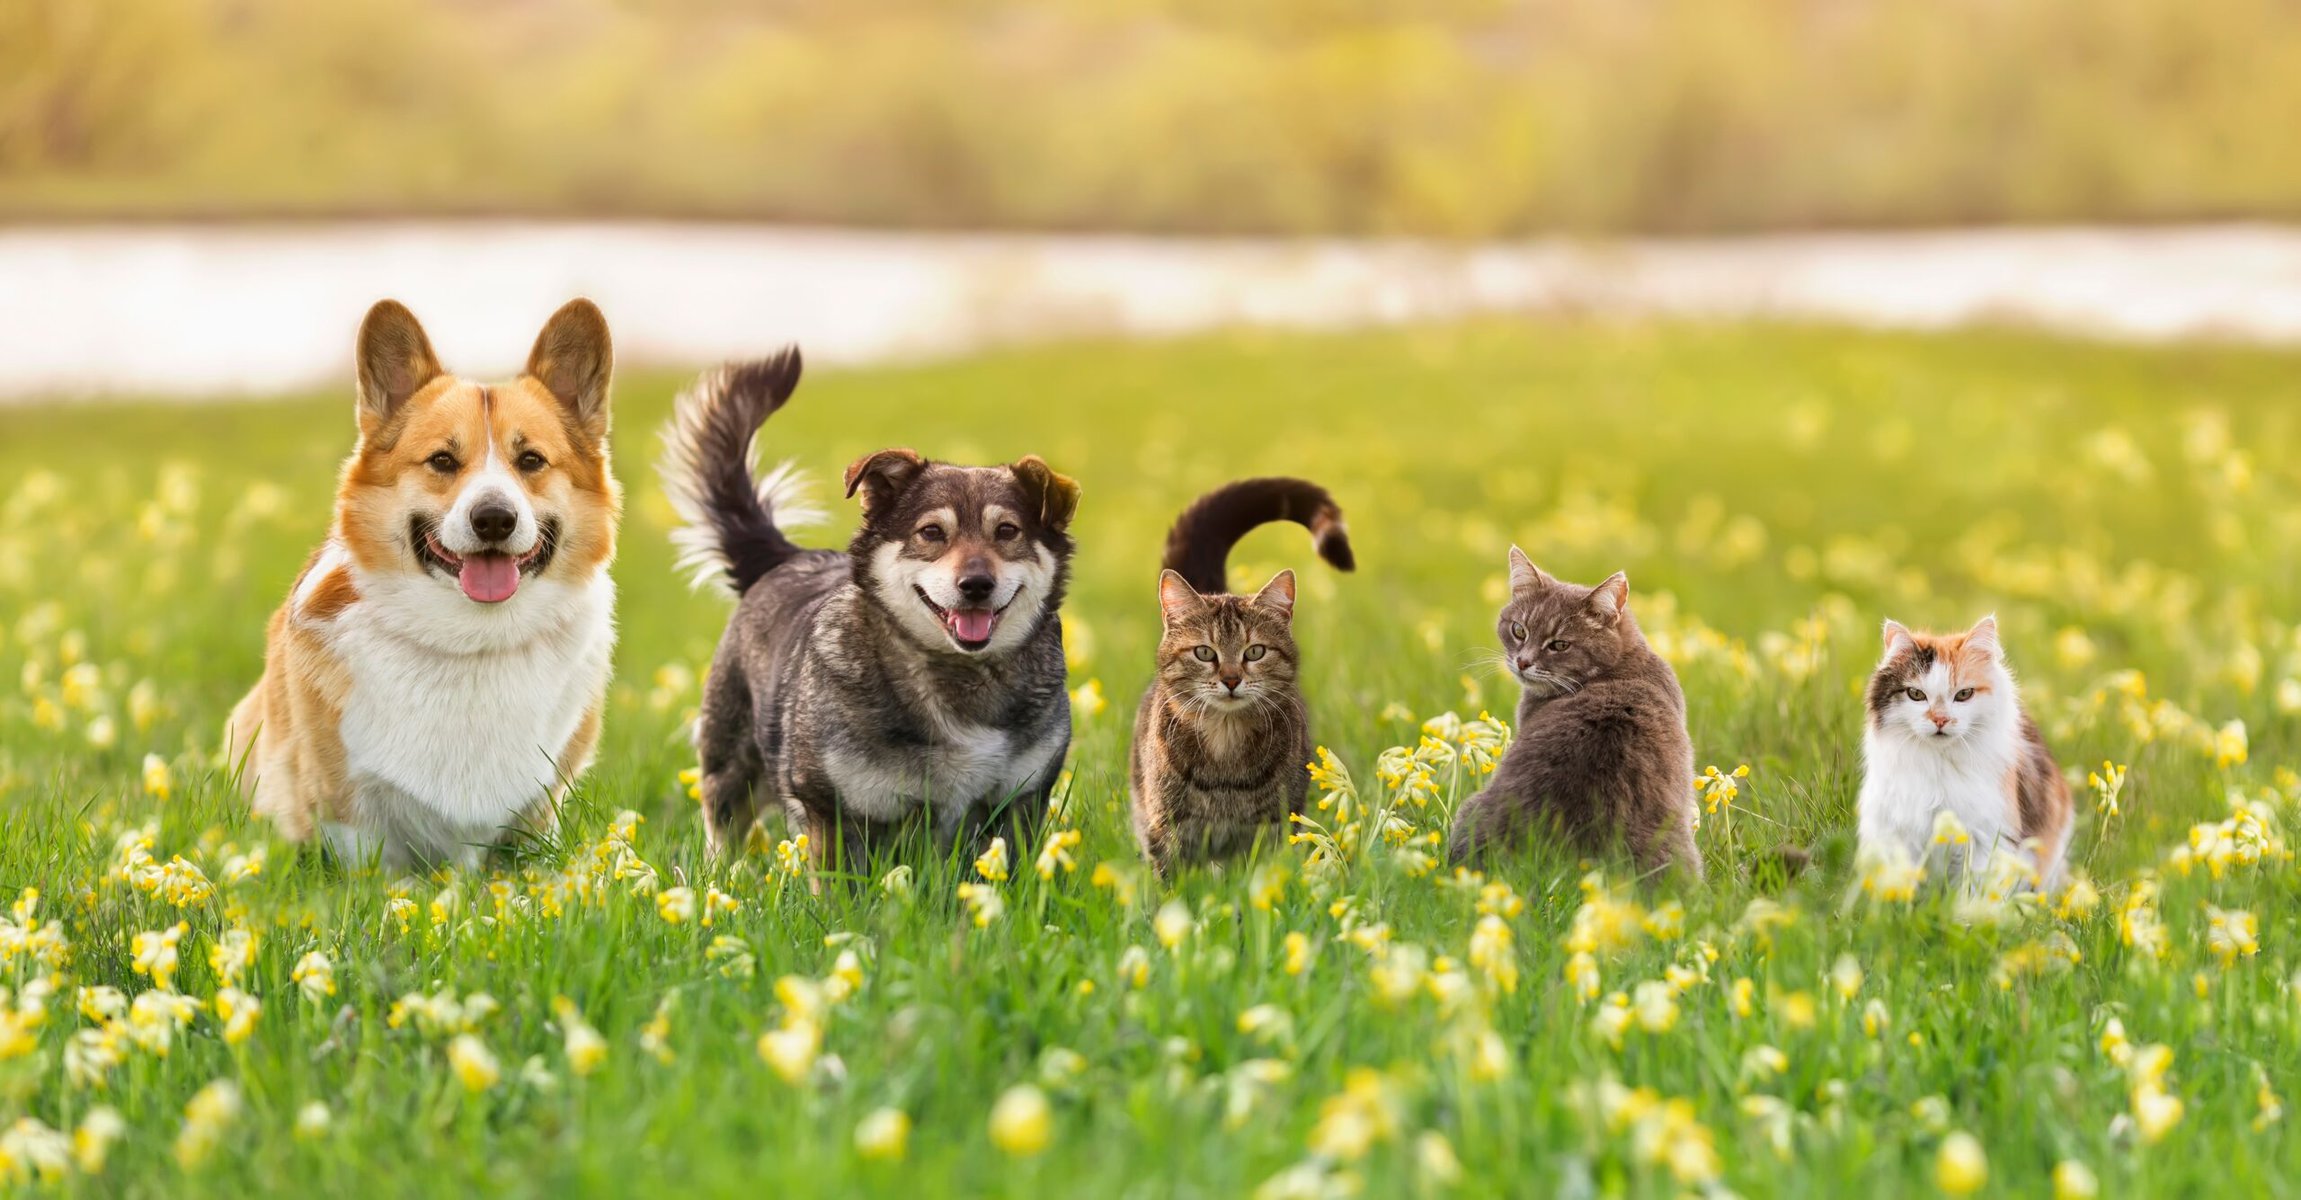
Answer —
971 625
489 578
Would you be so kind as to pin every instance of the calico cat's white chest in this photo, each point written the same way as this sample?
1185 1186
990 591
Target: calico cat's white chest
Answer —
1906 787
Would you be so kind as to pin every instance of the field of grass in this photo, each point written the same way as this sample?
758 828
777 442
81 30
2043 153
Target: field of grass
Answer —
1329 1019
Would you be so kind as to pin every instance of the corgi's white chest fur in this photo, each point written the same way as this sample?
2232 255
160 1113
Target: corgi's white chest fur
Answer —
457 714
1906 785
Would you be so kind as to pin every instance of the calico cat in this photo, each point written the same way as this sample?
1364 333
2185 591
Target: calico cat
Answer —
1601 750
1947 733
1222 747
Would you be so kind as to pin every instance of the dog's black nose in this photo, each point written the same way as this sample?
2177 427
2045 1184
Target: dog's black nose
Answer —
493 521
975 589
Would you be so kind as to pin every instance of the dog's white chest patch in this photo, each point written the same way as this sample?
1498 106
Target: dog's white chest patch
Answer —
964 764
450 746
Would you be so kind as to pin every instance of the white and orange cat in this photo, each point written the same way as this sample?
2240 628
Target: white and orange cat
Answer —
1947 733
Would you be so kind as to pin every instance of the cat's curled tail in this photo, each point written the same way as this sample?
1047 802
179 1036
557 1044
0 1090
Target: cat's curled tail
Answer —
1198 547
730 517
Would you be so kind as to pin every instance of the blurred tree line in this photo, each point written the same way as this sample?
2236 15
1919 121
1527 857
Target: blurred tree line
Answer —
1444 117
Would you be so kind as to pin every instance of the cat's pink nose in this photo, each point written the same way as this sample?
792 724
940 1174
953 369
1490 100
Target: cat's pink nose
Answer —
1232 681
1940 720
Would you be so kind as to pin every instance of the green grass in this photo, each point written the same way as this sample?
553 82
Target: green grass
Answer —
1773 492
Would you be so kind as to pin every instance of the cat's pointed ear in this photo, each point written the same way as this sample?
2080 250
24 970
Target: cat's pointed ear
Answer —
1608 599
1524 575
1898 638
1176 597
1983 636
1278 595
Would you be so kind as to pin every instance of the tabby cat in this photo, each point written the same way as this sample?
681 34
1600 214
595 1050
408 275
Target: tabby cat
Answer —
1222 743
1601 750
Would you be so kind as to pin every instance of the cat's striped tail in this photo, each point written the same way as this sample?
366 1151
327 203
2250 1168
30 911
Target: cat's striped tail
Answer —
1198 547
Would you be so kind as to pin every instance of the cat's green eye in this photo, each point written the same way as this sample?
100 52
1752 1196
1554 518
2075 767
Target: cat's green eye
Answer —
1559 646
1205 653
1965 695
1917 695
1518 631
1255 651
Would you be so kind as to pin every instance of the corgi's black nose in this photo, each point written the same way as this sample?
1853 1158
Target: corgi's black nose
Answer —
493 521
975 589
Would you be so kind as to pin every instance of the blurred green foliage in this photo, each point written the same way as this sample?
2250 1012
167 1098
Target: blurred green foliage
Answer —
1445 117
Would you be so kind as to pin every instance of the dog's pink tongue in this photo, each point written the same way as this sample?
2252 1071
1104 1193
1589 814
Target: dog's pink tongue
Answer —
971 625
489 578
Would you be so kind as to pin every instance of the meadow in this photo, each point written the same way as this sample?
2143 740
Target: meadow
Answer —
195 1007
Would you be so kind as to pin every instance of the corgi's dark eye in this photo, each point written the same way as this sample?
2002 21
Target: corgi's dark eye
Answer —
930 533
1964 694
1916 695
442 462
1517 631
531 462
1008 531
1255 652
1205 653
1559 646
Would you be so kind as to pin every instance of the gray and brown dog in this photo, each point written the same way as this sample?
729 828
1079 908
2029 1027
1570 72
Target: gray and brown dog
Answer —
917 676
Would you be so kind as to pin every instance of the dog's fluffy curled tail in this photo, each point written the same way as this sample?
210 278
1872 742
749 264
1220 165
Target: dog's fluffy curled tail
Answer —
731 522
1198 547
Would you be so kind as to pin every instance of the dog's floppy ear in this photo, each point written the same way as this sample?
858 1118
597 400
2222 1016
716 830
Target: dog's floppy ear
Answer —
1055 496
574 360
883 476
394 360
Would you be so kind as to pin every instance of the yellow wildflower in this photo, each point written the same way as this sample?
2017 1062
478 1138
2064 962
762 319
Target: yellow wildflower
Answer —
1021 1122
1960 1167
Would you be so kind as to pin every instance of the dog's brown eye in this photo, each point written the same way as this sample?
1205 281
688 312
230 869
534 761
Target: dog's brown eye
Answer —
1205 653
531 461
1008 532
1916 695
1256 652
443 462
1559 646
930 533
1965 694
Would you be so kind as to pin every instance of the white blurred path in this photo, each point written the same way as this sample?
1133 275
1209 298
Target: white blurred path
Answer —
195 310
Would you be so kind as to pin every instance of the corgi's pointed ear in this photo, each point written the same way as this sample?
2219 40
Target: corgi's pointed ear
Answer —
575 361
1608 599
1524 575
883 476
1278 595
1055 496
1983 636
1898 638
394 360
1176 597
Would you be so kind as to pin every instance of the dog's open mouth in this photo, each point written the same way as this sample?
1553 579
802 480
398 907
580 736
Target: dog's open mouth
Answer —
486 578
970 628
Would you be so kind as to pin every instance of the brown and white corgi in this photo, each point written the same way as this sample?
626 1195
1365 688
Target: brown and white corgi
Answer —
434 681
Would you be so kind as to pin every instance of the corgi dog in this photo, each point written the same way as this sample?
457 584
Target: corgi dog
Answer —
433 683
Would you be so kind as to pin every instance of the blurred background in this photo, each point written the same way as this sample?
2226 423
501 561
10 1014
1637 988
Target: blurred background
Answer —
201 195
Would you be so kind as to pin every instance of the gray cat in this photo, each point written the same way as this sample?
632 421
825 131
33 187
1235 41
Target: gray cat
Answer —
1221 752
1601 750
